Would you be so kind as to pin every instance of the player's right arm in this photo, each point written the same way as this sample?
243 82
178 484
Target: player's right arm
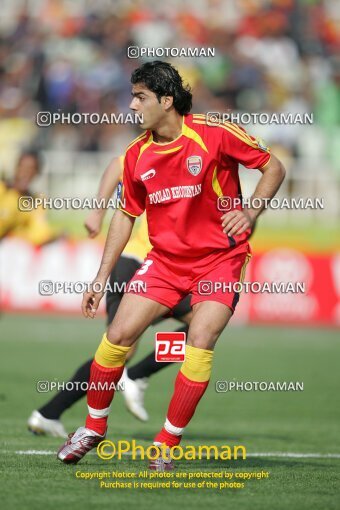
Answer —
117 238
133 205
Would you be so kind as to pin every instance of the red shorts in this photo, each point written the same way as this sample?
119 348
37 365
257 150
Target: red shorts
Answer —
209 278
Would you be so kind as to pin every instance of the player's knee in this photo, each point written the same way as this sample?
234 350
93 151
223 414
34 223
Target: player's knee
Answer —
119 335
202 338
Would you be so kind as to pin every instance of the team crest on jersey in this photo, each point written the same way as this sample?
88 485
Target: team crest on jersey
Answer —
194 164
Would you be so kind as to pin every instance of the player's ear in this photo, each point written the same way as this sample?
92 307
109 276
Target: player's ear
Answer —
167 102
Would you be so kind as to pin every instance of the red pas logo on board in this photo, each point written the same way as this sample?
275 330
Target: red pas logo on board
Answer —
194 164
170 346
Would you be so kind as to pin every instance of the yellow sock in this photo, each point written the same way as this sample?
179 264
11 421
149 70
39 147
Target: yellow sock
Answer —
198 364
109 355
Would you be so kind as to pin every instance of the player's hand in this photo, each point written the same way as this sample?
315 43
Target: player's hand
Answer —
93 223
234 223
91 300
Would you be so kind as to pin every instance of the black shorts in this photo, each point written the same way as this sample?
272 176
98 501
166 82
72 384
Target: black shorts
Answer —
121 274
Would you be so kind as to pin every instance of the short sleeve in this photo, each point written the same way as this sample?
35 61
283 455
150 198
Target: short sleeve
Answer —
247 150
132 194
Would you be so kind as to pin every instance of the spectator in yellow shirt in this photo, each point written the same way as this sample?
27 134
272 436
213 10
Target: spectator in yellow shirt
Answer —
32 225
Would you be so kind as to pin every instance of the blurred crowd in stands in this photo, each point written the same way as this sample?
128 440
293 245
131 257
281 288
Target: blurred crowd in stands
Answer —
271 56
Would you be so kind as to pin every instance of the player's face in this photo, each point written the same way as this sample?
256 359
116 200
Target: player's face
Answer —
145 103
25 172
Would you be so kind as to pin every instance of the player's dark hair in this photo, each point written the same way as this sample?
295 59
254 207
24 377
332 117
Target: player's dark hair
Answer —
32 153
164 80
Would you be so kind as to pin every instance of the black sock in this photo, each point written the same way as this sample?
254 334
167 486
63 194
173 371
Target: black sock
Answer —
64 398
148 365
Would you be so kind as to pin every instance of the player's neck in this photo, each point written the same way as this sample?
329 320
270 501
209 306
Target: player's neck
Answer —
169 131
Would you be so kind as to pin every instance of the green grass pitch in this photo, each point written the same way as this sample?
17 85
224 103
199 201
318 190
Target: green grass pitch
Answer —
275 423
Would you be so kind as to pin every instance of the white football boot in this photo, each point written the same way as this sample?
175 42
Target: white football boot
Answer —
133 394
45 427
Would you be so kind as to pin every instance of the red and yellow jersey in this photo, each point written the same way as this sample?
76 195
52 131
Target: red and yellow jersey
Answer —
179 183
32 226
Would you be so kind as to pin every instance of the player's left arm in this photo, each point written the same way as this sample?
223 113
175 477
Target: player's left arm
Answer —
251 152
273 173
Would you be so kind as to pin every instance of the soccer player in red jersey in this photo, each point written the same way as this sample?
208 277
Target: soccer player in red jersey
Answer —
177 171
